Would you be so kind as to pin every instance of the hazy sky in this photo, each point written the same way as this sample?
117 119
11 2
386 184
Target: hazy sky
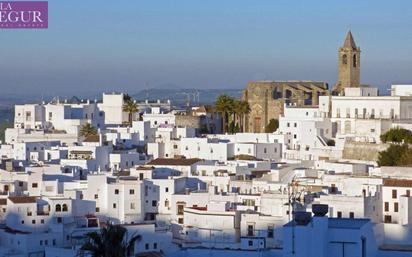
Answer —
96 45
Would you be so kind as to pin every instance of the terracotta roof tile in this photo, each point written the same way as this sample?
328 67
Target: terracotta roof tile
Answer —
389 182
22 199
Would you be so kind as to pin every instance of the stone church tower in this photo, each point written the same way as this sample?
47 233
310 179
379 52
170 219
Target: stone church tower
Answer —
349 66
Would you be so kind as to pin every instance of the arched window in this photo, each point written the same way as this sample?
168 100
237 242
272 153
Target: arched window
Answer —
288 93
344 59
355 61
58 208
277 93
65 207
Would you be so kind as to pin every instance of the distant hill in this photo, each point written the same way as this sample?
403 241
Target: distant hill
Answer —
179 97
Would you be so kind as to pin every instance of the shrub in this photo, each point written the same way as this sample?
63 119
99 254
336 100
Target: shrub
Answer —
393 155
272 126
397 135
330 142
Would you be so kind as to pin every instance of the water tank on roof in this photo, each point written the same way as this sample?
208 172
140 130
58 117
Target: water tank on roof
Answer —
320 210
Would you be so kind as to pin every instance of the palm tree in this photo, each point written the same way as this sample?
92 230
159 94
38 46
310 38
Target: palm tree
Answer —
224 106
130 107
242 108
88 130
110 241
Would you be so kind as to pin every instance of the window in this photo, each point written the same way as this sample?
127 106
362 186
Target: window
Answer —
355 61
20 183
250 229
394 194
180 220
132 206
96 196
131 191
58 208
386 206
141 176
270 231
333 189
395 207
264 150
97 209
288 124
146 246
344 59
59 219
180 209
174 146
154 245
34 185
295 124
408 193
166 189
33 222
154 203
339 214
250 242
22 222
41 242
42 221
116 191
54 241
351 215
114 206
65 208
46 242
388 219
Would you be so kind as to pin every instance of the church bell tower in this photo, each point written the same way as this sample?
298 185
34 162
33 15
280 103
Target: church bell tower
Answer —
349 66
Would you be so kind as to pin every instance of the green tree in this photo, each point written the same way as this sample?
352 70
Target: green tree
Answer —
242 108
127 98
406 158
110 241
392 155
224 105
272 126
397 135
88 130
130 107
